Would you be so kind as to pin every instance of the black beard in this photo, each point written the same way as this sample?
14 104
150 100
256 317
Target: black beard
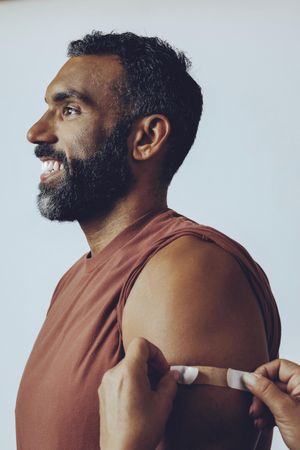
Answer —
89 187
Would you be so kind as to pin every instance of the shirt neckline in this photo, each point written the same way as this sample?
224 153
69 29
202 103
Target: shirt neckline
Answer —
119 241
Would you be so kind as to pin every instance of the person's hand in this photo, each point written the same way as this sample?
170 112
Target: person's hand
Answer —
133 411
281 395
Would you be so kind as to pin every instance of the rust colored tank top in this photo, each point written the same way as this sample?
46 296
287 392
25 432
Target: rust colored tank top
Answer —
57 403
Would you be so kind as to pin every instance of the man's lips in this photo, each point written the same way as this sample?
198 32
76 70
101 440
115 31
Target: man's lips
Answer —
49 176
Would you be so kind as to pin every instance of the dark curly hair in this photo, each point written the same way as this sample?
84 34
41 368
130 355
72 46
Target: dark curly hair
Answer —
156 82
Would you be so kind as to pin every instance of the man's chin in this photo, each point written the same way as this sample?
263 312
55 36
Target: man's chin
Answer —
52 209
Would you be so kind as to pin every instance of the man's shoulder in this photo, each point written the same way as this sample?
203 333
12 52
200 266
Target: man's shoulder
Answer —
197 259
190 246
180 226
193 286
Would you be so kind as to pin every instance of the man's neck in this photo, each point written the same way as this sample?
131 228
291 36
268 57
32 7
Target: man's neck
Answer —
101 230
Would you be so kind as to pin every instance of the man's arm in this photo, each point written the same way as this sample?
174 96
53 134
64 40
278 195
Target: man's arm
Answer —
193 301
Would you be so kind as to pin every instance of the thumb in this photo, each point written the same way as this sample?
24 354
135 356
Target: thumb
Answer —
267 392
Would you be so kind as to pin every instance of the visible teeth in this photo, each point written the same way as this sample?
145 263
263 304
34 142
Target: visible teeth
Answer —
51 165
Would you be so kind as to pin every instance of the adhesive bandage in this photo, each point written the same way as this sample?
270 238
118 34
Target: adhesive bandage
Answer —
213 376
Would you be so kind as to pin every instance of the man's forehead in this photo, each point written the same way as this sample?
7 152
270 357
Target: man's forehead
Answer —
86 73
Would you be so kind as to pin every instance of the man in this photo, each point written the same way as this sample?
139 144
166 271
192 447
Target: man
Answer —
122 114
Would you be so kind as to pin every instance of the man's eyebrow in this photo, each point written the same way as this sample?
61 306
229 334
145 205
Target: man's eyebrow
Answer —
69 94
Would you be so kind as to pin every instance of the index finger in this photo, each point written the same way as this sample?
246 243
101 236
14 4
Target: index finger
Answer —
285 371
144 352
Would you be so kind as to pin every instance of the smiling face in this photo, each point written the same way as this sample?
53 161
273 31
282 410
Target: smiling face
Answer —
82 142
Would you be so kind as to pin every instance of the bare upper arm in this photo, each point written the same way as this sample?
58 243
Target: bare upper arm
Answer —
193 301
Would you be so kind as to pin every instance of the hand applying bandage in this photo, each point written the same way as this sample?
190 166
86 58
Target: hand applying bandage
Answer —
277 384
139 411
133 411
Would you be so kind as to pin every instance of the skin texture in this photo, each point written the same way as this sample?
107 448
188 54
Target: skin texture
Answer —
200 310
191 299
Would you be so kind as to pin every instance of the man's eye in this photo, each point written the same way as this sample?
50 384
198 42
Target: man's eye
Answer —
70 111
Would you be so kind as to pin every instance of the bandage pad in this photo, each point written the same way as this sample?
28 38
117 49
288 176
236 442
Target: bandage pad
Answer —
214 376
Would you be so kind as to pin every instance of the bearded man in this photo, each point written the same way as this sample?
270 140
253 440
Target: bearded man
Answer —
122 114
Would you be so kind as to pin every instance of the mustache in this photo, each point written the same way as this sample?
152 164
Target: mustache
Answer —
47 150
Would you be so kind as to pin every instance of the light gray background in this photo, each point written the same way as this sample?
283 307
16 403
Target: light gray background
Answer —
242 175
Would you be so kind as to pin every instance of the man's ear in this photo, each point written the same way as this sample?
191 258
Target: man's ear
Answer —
149 136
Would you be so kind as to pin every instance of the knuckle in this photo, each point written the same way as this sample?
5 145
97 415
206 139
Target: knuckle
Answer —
107 377
294 383
264 386
292 365
296 378
138 342
135 347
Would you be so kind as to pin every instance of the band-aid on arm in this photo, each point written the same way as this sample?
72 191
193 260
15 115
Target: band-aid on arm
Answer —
213 376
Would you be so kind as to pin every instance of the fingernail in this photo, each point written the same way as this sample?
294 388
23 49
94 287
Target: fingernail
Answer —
176 375
250 379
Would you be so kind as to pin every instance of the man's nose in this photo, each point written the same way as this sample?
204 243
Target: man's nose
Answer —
42 132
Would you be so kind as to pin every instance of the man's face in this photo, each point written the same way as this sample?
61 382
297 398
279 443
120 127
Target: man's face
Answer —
82 141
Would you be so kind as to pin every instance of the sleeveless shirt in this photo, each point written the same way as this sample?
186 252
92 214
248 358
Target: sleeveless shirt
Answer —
57 406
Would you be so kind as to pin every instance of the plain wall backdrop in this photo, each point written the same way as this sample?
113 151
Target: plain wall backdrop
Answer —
241 176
